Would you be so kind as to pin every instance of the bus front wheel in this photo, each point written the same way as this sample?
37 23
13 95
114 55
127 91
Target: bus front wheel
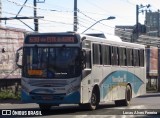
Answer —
94 100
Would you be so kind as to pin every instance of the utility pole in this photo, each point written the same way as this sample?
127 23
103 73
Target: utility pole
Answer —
35 15
158 24
137 19
75 21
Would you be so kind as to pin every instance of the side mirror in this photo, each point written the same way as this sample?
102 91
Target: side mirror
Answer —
83 58
19 57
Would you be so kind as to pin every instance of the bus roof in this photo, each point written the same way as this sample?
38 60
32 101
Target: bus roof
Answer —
109 38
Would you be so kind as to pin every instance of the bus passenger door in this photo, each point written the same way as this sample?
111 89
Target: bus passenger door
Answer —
86 76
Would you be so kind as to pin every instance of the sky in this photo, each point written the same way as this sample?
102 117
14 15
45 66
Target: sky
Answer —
58 14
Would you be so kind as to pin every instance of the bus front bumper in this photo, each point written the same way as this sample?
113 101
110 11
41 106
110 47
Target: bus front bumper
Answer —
72 98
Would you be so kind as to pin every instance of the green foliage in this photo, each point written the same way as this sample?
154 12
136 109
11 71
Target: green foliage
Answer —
9 94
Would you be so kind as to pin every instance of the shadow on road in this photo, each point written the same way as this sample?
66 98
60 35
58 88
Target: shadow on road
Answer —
73 110
12 101
150 95
76 110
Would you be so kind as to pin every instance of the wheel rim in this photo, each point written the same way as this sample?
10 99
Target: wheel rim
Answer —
93 99
128 95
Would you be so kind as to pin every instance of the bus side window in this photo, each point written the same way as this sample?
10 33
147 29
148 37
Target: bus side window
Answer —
123 60
88 59
138 57
129 57
106 55
96 54
100 53
114 56
124 57
134 57
120 50
141 57
118 61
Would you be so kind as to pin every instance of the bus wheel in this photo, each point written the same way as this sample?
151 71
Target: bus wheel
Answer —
44 106
128 96
94 101
126 101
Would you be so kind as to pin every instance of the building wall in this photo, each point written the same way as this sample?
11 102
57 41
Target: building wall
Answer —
0 10
152 23
10 41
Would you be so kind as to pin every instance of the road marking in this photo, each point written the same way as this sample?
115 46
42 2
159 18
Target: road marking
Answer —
132 107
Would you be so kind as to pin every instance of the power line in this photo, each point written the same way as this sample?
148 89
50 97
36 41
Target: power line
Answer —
31 6
93 19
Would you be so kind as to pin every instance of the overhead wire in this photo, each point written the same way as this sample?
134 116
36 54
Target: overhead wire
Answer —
29 6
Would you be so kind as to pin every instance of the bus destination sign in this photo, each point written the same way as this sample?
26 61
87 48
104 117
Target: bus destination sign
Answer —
51 39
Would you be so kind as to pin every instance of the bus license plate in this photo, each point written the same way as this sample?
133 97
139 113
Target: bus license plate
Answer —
47 97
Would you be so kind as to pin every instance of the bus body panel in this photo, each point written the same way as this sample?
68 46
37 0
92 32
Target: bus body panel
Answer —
51 91
103 76
111 79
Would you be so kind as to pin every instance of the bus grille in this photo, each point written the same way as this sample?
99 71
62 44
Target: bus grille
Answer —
48 96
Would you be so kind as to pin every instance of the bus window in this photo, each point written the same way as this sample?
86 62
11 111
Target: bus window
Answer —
141 57
51 62
88 59
129 54
120 50
136 57
106 55
114 56
122 57
96 54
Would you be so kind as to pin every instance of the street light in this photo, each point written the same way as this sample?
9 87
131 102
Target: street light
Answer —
109 18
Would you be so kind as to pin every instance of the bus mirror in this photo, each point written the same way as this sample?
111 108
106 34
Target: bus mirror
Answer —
83 59
19 57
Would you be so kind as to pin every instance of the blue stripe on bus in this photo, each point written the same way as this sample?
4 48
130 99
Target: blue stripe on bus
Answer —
66 99
120 78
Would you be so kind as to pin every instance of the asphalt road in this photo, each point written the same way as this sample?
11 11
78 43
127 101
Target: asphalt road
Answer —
144 106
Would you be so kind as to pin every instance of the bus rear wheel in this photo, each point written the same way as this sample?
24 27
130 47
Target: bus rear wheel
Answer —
128 96
127 100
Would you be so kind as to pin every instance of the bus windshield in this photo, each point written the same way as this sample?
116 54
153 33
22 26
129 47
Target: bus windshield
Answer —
57 62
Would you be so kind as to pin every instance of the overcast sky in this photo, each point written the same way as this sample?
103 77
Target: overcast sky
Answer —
58 14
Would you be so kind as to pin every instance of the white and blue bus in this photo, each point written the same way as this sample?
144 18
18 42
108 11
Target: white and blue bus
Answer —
71 68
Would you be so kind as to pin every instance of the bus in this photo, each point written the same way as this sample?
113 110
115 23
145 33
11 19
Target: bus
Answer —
72 68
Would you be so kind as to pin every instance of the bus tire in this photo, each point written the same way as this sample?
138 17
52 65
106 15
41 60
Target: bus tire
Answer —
127 100
45 106
128 96
94 100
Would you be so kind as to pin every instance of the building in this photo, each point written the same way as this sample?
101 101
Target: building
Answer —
129 33
124 32
152 22
0 10
10 40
